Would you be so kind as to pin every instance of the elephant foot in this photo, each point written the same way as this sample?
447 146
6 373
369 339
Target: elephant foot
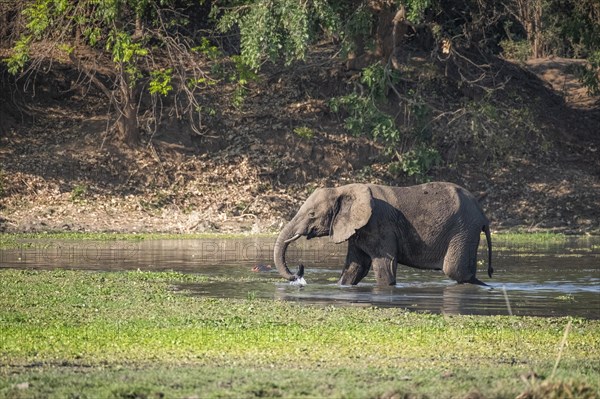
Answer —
475 281
353 274
349 279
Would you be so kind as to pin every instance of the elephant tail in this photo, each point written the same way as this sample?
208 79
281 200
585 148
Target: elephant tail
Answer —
488 237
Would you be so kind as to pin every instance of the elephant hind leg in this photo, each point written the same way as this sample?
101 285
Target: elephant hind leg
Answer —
460 262
385 270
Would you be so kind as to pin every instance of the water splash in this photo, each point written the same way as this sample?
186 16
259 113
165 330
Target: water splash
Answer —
301 282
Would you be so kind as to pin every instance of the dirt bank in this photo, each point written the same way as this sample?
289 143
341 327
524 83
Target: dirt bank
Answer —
250 169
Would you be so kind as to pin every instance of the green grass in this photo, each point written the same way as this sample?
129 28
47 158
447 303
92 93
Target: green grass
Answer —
123 236
531 238
15 239
512 237
130 334
536 244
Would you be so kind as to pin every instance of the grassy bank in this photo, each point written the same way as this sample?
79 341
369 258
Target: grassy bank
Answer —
130 334
107 236
15 239
12 239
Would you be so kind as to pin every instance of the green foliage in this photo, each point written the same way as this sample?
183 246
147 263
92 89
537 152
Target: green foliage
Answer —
239 95
574 26
160 82
275 29
20 55
241 76
363 116
208 49
39 16
125 54
143 39
243 73
416 162
123 49
359 25
93 35
415 9
305 132
78 193
491 131
378 78
516 50
48 19
590 74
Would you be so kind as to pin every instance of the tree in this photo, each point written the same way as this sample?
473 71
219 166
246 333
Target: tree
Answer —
578 23
368 30
274 29
565 28
124 47
529 14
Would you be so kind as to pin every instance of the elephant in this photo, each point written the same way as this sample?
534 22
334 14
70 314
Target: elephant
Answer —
435 225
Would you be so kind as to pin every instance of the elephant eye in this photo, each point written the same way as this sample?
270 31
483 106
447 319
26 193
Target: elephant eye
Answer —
311 214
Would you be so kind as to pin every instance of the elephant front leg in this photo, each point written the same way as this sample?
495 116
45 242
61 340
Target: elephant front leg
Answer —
385 270
357 266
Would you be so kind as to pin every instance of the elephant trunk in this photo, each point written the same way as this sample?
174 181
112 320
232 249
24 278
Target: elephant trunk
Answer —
285 238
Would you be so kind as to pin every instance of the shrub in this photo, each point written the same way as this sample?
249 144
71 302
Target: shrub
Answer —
518 50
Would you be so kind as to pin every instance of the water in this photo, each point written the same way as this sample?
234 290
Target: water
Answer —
539 280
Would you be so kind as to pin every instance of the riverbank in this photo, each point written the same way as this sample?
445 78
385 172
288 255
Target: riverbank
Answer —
130 334
533 169
514 237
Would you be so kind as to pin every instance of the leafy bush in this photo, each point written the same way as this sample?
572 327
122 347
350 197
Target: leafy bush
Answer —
378 79
305 132
363 116
78 193
20 55
590 74
160 82
519 50
492 131
416 162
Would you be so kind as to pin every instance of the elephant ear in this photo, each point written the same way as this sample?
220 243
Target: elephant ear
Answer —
352 210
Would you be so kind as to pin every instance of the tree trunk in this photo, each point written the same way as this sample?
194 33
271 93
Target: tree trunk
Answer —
127 121
124 100
537 34
139 29
529 13
390 30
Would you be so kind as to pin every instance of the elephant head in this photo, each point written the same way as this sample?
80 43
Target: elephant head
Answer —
337 212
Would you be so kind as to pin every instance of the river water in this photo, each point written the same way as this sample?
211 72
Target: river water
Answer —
558 279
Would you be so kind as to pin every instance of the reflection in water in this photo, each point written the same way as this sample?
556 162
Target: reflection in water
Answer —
543 280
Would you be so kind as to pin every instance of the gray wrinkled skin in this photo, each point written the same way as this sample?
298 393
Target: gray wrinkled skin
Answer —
428 226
